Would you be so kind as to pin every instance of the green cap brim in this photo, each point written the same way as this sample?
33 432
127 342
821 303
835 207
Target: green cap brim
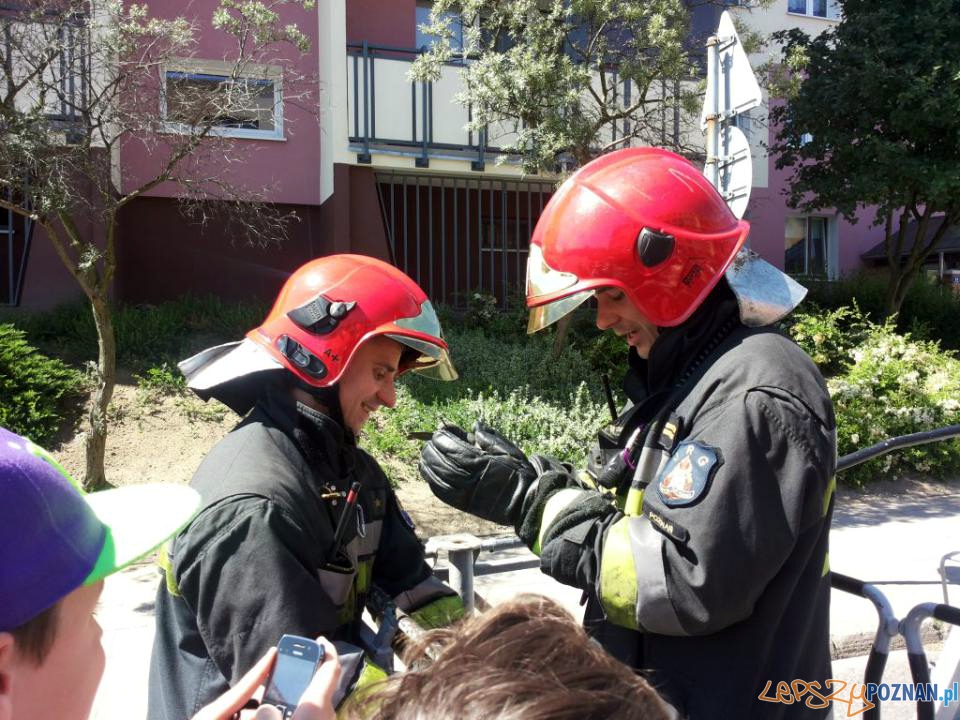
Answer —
138 519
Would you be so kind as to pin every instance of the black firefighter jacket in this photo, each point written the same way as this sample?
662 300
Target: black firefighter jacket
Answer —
720 583
254 564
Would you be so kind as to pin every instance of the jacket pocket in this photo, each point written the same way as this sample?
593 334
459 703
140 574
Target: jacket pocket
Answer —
336 578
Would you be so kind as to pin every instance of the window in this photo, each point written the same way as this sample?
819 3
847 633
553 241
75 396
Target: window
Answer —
829 9
423 18
248 107
805 242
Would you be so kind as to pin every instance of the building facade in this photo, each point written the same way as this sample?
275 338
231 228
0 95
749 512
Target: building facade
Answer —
372 163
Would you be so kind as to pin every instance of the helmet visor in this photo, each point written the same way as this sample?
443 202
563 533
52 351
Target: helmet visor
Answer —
543 280
544 315
433 362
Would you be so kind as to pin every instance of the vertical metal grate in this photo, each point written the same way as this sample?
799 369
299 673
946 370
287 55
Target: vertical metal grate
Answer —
15 234
458 235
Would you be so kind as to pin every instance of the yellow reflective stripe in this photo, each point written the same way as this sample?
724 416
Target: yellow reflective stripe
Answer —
826 565
831 487
586 479
556 504
364 575
360 585
163 560
618 576
439 613
633 505
356 704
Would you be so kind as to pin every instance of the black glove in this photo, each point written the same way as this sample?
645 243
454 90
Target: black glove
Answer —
489 478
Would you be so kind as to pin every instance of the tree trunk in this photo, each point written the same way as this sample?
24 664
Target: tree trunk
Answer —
563 324
105 380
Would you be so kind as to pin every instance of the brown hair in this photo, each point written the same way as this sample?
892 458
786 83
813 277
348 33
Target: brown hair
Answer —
35 637
524 659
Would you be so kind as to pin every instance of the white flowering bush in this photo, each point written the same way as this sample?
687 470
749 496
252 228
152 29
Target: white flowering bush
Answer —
829 336
895 385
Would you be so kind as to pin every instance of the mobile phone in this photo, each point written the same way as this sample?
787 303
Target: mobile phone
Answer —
297 661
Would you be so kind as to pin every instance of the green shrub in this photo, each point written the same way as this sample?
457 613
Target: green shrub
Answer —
828 336
930 311
164 379
32 387
894 386
146 335
564 429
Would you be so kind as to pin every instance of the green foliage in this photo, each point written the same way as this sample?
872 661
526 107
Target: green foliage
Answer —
545 405
896 385
929 311
33 387
165 379
147 335
829 336
878 93
552 73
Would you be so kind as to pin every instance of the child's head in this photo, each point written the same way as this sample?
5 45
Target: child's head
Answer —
56 546
526 659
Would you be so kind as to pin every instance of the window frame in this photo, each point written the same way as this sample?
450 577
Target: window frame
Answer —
831 10
427 5
828 254
256 73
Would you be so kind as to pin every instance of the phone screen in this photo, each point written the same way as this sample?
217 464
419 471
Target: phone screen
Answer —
296 663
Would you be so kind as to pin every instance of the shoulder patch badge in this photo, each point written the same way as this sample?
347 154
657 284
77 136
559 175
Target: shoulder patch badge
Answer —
687 473
408 521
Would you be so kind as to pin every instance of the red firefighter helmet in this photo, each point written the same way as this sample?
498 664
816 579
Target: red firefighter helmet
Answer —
643 220
331 305
325 311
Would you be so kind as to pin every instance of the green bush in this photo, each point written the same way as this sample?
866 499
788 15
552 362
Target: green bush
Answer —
146 335
564 428
32 386
828 336
896 385
930 311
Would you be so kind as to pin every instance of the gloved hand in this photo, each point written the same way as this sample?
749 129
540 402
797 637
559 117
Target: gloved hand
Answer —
489 477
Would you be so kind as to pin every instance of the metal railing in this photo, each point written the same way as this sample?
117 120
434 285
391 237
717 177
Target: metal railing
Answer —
16 231
367 62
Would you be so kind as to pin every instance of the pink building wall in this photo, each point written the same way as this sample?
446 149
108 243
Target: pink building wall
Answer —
285 171
382 22
768 211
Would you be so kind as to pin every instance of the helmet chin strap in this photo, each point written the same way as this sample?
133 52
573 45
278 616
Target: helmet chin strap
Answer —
328 397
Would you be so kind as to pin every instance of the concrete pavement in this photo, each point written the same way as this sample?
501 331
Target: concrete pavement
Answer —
896 538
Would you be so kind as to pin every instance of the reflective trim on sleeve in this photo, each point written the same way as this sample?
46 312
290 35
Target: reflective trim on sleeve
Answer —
633 559
163 560
828 495
618 576
655 612
439 613
422 593
826 565
554 508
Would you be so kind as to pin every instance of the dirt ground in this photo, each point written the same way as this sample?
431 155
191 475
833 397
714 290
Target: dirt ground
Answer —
163 439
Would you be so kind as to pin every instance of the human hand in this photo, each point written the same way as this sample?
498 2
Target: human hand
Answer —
489 478
316 703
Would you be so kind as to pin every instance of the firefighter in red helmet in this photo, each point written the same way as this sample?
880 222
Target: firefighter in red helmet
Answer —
261 558
699 530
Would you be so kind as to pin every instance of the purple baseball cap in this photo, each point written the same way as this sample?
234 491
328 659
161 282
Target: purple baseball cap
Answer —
55 538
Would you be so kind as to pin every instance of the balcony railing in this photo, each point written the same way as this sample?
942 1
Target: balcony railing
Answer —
388 112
